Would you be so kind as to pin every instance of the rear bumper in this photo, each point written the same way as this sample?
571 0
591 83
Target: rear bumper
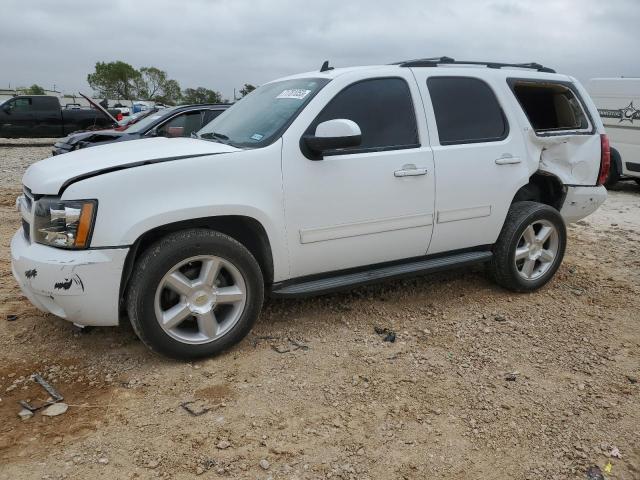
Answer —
81 286
581 202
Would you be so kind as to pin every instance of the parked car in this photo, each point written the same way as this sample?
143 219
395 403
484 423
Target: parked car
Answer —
169 122
618 102
41 116
310 184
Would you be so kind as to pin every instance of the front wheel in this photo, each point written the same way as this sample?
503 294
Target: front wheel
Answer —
530 247
194 294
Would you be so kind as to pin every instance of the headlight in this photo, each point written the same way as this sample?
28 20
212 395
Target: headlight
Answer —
64 223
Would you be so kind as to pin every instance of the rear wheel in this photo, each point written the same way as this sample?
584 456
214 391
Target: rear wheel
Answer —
194 293
530 247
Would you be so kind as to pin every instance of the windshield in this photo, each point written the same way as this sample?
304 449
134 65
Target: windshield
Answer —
146 122
261 117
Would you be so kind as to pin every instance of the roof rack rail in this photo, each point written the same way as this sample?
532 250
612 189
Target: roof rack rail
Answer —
436 61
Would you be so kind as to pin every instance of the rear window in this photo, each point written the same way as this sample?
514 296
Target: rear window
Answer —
550 107
466 110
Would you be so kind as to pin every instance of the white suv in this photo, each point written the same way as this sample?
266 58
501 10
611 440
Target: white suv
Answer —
313 183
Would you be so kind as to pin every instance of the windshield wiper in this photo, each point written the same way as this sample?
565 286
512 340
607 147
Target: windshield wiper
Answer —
214 135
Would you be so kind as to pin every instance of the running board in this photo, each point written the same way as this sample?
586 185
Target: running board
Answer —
376 274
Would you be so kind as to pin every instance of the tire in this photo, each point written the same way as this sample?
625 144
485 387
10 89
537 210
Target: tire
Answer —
206 285
637 180
535 259
614 174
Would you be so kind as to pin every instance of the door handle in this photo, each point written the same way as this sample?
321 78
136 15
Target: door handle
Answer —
508 159
410 172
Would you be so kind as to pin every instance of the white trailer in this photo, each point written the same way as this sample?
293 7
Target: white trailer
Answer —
618 102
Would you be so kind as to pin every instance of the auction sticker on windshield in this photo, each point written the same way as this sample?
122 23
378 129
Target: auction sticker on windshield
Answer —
296 93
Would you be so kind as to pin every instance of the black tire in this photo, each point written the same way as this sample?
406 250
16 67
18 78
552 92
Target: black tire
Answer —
159 259
614 174
502 268
637 180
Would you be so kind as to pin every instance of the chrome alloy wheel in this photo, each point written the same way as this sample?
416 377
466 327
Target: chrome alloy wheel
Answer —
536 249
200 299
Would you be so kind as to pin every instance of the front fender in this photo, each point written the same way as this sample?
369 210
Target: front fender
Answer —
135 200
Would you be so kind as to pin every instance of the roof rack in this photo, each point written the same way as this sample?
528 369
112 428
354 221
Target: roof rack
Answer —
436 61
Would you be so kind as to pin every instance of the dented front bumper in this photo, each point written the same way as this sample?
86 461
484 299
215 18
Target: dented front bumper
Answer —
82 286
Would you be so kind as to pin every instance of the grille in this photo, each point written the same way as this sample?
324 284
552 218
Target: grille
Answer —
26 228
26 212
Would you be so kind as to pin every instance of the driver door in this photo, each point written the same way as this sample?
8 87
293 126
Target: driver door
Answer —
367 204
18 119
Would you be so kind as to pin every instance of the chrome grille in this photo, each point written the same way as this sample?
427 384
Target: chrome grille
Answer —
25 206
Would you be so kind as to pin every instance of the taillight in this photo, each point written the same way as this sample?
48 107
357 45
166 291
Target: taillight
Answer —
605 159
119 116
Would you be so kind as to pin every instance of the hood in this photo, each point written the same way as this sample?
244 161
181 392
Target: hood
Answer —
91 136
50 176
100 107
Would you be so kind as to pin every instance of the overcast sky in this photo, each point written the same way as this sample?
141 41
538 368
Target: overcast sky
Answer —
221 44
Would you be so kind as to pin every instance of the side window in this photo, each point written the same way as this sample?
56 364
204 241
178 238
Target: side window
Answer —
466 110
45 103
181 125
210 115
550 106
382 108
22 105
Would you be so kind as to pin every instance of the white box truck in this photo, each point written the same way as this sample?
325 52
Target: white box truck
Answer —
618 102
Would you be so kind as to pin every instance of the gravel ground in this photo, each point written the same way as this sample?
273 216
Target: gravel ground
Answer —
480 383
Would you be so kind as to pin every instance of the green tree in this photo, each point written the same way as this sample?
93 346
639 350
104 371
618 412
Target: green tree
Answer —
115 80
171 93
247 89
153 84
201 95
33 90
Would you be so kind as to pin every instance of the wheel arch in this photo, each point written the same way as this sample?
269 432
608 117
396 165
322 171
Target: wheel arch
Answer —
542 187
246 230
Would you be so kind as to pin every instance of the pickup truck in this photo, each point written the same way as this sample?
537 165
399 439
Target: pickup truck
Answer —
40 116
309 184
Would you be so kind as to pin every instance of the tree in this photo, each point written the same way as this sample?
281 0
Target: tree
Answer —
33 90
154 85
150 82
247 89
201 95
170 93
115 80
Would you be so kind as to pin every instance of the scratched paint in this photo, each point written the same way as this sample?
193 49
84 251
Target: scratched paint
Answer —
33 273
68 282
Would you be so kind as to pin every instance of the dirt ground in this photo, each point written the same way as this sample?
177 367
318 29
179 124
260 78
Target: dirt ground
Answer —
480 383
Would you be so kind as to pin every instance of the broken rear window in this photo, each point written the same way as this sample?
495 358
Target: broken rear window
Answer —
550 107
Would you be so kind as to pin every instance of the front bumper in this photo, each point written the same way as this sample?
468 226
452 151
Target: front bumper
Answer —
82 286
581 202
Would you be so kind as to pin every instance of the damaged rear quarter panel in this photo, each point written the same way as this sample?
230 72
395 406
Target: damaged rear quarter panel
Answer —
574 159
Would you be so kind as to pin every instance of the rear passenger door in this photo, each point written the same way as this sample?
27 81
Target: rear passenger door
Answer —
479 156
47 116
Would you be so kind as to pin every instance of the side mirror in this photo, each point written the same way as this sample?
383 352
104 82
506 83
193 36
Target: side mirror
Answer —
333 134
7 108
